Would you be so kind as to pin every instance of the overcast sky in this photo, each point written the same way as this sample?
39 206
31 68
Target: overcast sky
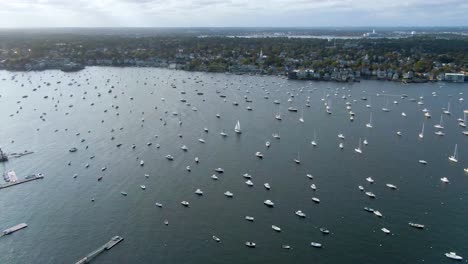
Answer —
208 13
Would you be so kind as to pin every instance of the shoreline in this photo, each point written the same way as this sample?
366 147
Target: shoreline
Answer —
282 75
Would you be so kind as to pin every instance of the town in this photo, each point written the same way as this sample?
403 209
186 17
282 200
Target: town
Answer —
418 58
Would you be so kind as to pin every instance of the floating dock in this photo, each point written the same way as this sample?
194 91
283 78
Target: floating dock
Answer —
13 229
114 241
26 179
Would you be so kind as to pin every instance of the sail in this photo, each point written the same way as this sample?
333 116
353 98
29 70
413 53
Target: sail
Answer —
237 127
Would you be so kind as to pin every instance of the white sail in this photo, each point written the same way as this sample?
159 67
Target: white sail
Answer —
237 128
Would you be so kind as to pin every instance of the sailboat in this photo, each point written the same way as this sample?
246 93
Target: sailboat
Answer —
462 122
278 115
314 142
369 125
447 111
358 149
385 109
298 159
421 135
301 119
440 125
454 158
237 128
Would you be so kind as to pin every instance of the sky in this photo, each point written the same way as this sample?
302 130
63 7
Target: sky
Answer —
231 13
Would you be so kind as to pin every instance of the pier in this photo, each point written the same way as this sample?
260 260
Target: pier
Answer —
114 241
27 179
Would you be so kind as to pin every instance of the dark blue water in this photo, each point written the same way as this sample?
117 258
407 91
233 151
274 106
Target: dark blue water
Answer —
64 225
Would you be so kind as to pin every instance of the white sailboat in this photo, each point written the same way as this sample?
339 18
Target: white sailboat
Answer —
278 115
369 125
421 135
298 158
454 158
447 111
441 123
358 149
301 119
237 128
314 142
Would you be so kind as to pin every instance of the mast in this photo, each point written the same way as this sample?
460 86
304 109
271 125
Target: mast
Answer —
3 157
455 152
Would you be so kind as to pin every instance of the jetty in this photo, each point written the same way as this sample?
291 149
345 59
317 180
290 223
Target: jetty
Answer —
13 229
26 179
114 241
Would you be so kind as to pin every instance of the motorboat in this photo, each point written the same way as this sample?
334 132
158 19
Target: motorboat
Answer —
453 255
269 203
229 194
316 245
249 218
185 203
300 214
276 228
267 185
316 200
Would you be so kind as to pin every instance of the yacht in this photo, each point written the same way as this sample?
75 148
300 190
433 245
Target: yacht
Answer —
454 158
365 142
237 128
358 149
421 135
201 140
315 244
447 111
300 214
399 133
249 183
453 255
341 145
219 170
403 114
269 203
142 163
377 213
313 187
169 157
324 230
368 209
188 168
341 136
361 188
297 160
369 179
314 142
276 228
250 244
439 133
214 177
259 155
229 194
444 179
309 176
267 144
370 194
286 247
249 218
391 186
199 192
215 238
158 205
205 129
440 125
292 109
197 160
123 193
369 125
419 226
276 135
143 187
422 162
185 203
246 175
385 230
222 133
267 185
316 200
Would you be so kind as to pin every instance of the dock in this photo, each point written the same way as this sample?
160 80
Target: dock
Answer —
114 241
27 179
13 229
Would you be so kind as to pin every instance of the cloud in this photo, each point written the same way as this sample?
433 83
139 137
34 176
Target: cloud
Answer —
180 13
